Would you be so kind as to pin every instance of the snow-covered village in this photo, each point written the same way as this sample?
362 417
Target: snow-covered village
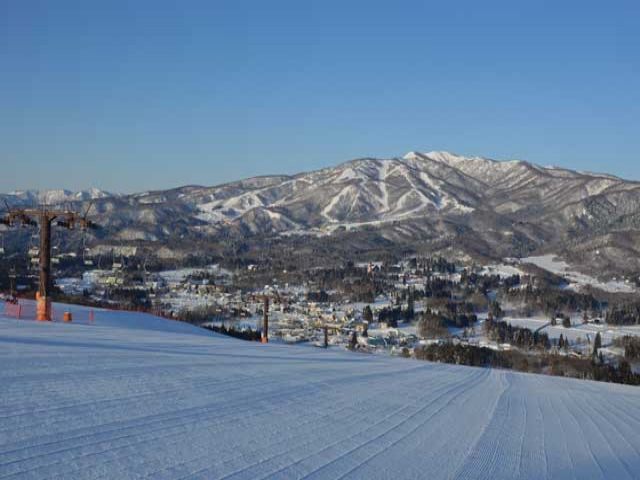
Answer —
376 307
393 308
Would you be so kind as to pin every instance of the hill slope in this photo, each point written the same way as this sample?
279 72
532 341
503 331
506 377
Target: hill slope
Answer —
133 396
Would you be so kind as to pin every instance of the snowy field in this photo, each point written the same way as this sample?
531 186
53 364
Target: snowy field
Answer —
578 330
134 396
578 280
177 276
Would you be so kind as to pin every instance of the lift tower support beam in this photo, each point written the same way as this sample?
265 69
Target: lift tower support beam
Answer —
44 217
43 311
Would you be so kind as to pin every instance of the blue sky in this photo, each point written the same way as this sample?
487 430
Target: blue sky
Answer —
130 96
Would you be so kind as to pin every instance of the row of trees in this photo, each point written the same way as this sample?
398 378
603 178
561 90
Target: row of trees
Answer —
631 346
438 288
551 301
485 283
391 316
246 334
459 354
458 314
431 326
546 363
625 314
504 332
432 265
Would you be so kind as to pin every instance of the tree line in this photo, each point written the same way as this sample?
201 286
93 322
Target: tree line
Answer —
550 364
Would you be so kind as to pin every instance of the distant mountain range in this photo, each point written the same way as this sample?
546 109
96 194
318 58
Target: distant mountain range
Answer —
474 206
52 197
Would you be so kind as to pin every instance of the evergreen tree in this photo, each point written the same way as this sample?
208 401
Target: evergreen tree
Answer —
597 344
495 310
410 306
353 341
624 370
367 314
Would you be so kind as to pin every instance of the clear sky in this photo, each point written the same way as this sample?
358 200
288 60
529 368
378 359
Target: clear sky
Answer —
134 95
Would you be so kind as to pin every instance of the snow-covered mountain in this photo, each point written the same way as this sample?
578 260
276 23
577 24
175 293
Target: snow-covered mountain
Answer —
360 191
478 205
53 197
418 185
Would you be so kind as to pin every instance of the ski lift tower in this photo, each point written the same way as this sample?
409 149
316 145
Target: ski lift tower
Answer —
269 291
44 217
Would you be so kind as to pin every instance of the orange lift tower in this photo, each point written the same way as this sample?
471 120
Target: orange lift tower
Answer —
44 217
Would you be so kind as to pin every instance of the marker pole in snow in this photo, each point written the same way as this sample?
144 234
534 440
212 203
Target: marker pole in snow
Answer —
265 321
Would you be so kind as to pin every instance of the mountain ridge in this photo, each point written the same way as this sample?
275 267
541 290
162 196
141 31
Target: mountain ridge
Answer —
493 208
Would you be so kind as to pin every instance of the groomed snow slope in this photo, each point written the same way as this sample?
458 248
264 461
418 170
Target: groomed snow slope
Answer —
133 396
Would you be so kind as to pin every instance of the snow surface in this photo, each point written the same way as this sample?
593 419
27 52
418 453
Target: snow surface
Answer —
578 330
134 396
177 276
555 265
502 270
